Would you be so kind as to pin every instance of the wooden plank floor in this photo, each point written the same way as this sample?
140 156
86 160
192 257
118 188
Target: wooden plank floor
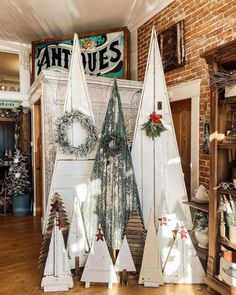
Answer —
20 241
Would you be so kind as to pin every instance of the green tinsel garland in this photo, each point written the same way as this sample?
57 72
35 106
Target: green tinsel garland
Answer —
64 122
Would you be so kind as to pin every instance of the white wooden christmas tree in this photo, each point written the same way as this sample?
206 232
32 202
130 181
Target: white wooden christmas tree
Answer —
76 243
124 262
99 266
57 274
69 168
151 271
157 162
165 238
183 264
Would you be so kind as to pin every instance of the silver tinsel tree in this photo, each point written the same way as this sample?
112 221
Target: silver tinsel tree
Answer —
17 181
113 193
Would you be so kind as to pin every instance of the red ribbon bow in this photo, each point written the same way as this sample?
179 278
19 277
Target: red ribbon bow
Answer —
155 118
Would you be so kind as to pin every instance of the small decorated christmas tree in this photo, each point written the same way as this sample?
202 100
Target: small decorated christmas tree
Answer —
151 271
77 243
99 266
136 234
124 261
165 237
57 207
57 274
183 265
17 180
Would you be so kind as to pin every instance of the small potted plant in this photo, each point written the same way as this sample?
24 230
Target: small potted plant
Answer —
18 185
201 230
231 219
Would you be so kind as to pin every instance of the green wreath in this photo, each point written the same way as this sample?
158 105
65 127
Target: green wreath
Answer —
112 144
62 125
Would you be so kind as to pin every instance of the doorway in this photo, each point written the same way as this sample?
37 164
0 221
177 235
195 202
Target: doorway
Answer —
37 143
181 113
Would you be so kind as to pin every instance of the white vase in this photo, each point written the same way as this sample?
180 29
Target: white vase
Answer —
202 238
232 234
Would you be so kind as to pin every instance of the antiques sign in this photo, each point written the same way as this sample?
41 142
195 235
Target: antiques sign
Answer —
103 53
172 47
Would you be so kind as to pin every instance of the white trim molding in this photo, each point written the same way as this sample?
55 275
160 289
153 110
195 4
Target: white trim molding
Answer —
146 12
138 18
190 89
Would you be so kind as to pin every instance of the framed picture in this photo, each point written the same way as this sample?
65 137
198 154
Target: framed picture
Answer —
172 46
206 136
104 53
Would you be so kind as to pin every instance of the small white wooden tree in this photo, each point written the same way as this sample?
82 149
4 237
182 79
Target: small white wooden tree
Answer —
57 274
99 266
165 238
183 264
124 262
76 243
151 272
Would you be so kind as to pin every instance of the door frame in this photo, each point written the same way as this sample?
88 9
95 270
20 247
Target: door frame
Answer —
190 90
34 143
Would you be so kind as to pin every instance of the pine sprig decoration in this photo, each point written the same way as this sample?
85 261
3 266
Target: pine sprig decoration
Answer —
153 127
17 181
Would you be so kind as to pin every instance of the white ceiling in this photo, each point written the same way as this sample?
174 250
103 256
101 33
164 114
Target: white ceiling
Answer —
29 20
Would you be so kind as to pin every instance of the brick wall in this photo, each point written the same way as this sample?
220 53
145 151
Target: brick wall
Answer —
208 24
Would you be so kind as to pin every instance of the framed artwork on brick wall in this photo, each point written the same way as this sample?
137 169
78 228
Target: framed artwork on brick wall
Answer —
206 136
172 46
104 53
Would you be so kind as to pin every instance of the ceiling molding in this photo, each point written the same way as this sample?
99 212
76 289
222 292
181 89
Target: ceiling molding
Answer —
144 16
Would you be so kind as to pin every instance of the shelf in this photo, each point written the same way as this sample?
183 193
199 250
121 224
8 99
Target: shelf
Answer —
219 286
227 100
227 243
231 192
229 146
199 206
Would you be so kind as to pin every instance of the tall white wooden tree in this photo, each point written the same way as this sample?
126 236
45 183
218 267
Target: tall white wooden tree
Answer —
183 264
71 168
156 161
57 274
76 243
99 266
151 271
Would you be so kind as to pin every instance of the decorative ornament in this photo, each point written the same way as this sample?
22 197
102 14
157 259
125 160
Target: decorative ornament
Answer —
183 232
154 127
62 139
112 144
17 175
100 235
164 220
